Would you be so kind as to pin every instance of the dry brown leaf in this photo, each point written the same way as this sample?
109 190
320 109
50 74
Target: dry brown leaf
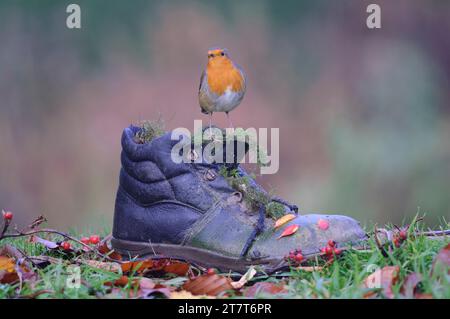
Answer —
176 267
142 292
104 249
146 283
163 265
137 266
423 296
383 278
283 220
289 231
266 288
408 289
141 282
183 294
8 273
108 266
310 268
211 285
442 261
154 292
121 282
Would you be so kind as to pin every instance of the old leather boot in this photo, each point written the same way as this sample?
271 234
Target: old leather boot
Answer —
191 211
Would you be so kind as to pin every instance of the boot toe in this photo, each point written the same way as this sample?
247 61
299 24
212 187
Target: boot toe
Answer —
314 232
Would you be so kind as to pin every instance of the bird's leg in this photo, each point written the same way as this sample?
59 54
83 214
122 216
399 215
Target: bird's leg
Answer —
229 120
210 124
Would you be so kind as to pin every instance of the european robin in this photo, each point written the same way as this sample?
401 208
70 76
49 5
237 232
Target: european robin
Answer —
222 84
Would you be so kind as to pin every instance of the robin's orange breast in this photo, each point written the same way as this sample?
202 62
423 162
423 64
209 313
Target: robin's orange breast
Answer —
222 76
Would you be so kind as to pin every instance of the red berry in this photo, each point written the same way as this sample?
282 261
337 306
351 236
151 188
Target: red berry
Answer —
331 243
299 258
337 251
85 240
211 271
328 250
94 239
396 242
7 215
65 245
402 234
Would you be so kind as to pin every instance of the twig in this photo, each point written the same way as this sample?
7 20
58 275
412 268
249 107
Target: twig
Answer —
67 236
435 233
377 241
5 228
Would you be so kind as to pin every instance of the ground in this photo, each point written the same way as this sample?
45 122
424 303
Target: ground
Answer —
345 277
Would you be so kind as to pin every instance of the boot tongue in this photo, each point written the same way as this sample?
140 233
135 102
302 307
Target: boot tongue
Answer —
221 148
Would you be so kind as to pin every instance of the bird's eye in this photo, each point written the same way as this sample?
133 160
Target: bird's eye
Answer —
222 53
210 55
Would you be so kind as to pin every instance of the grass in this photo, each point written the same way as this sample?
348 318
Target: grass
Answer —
342 279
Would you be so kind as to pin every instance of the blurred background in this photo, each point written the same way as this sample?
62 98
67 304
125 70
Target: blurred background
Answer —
363 114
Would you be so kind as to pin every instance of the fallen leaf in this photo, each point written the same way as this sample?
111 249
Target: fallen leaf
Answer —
323 224
108 266
211 285
251 272
121 282
163 265
142 288
8 273
47 243
176 267
146 283
310 268
383 279
265 288
159 290
408 289
104 249
423 296
283 220
289 231
44 261
183 294
442 261
137 266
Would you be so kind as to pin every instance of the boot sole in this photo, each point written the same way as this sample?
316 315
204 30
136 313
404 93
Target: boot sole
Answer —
194 255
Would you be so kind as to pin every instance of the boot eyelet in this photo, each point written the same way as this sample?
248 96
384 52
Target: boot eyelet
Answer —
192 156
238 196
210 175
235 198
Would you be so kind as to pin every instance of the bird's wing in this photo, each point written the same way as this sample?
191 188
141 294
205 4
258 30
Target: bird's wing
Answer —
202 78
237 66
203 98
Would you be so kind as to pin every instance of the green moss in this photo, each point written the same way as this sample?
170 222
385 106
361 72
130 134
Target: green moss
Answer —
252 196
149 130
275 210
